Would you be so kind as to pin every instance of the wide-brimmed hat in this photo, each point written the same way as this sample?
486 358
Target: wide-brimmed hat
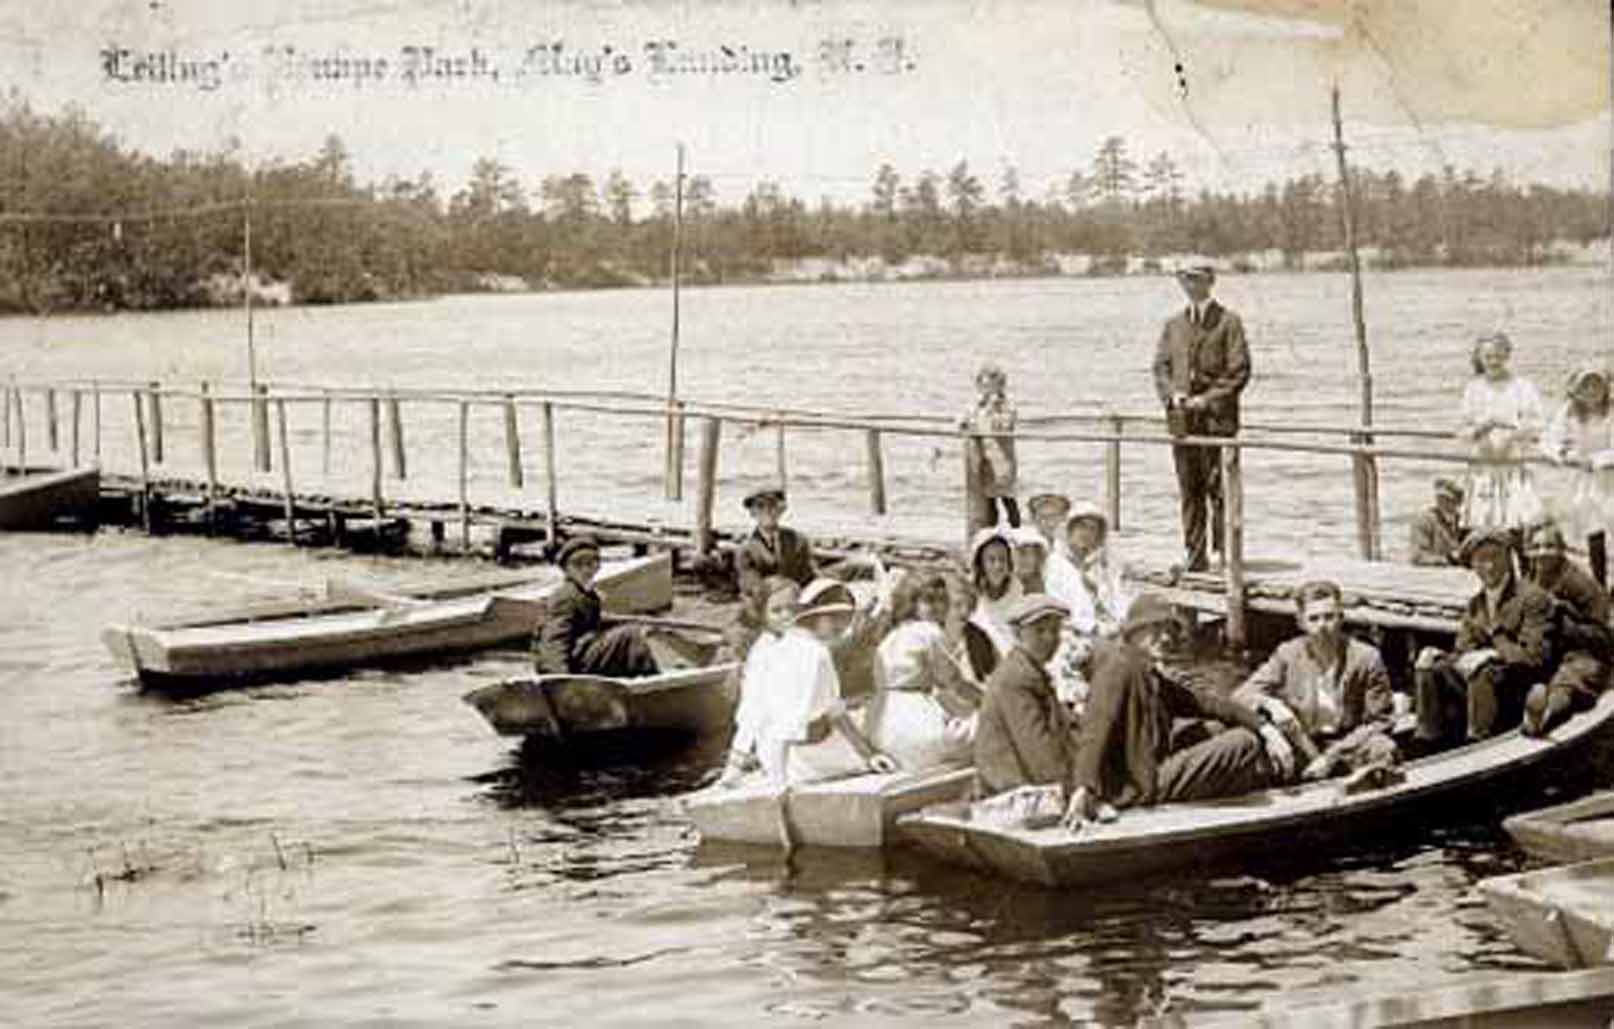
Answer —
1038 501
1034 607
1481 536
1544 538
1448 487
825 597
1148 609
1198 270
762 494
1025 536
574 546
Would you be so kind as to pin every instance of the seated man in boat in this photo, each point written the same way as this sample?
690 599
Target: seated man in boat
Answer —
1024 735
1501 651
923 705
771 549
792 722
1328 692
1124 757
1580 632
1436 535
571 639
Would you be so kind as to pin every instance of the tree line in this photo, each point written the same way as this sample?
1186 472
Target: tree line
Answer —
86 223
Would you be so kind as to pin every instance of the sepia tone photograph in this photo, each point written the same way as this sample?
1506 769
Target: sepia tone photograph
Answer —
807 512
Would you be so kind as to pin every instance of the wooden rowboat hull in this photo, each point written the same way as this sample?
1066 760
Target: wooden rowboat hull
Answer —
696 701
1175 836
859 811
276 641
1563 915
1578 831
36 500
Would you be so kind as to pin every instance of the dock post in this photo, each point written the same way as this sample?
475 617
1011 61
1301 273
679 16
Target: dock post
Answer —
210 458
375 464
1112 473
145 468
400 467
285 472
779 457
972 488
675 450
1365 477
154 392
465 476
260 427
325 434
1233 515
5 417
77 405
706 487
512 443
22 431
876 471
95 417
551 485
52 433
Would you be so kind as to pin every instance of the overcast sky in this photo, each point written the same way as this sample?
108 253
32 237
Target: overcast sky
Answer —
1235 90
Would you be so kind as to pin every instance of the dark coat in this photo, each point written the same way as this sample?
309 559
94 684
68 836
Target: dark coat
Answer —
1209 361
756 560
1126 730
1519 634
1434 539
1023 734
1580 614
571 619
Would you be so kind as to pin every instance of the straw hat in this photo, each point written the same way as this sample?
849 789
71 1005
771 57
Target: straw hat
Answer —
826 597
1147 610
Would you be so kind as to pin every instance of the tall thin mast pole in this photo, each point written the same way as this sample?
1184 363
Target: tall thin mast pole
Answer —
246 290
1367 478
675 423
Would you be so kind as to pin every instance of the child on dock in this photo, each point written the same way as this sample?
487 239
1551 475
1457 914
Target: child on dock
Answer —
1502 420
923 705
1583 431
989 453
571 639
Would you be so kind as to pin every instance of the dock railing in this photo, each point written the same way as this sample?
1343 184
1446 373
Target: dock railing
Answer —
151 406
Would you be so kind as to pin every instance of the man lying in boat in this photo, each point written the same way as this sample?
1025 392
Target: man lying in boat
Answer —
571 638
1124 756
1329 693
792 723
1501 651
1580 632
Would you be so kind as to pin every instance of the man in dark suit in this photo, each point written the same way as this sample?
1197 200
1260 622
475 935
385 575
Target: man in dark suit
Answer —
1201 365
570 639
771 549
1501 650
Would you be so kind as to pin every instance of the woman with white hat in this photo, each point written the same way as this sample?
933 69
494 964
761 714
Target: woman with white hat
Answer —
997 591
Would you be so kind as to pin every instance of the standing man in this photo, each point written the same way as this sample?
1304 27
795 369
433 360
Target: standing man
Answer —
1201 365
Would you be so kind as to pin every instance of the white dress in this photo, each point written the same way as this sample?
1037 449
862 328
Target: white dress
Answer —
992 616
1585 504
904 719
1501 495
789 682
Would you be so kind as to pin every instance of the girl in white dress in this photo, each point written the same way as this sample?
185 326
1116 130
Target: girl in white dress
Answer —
923 705
1501 417
1583 432
997 591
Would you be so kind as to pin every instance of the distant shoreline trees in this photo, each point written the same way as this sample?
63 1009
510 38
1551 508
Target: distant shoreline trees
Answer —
86 224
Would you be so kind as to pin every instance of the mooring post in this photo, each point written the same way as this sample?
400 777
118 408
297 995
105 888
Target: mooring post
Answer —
551 474
706 486
260 427
1233 515
972 487
512 443
154 391
1112 473
871 440
22 432
374 406
210 457
779 456
675 450
52 433
325 434
95 416
5 416
77 405
400 468
465 476
1359 480
145 468
285 472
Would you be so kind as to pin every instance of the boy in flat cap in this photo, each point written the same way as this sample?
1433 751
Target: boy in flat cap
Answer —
1436 536
1580 632
1501 650
771 549
1201 365
571 638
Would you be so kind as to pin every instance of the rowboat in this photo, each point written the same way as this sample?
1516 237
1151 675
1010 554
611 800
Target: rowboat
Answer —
857 811
352 627
1577 831
1564 915
690 695
36 500
1172 836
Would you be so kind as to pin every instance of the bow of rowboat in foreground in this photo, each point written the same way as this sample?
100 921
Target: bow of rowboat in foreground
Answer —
857 811
570 709
280 640
1578 831
1564 915
35 500
1174 836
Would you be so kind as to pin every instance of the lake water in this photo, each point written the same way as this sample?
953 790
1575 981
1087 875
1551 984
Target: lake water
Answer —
364 851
